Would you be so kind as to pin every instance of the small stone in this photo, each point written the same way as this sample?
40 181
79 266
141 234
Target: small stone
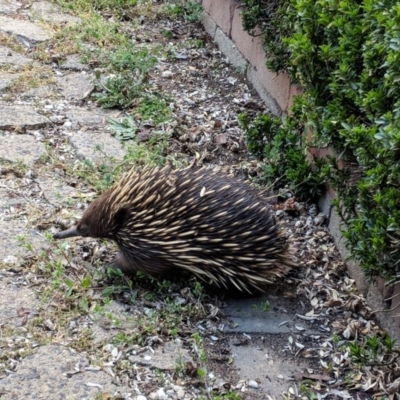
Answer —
161 395
167 74
140 397
158 395
299 224
253 384
180 393
114 352
10 260
55 118
319 219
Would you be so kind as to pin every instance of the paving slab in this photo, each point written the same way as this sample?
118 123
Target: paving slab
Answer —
6 80
76 86
55 192
258 350
265 366
101 324
10 57
17 303
10 251
42 92
51 373
248 316
9 6
25 148
10 198
50 12
86 143
73 63
165 357
21 116
82 117
29 31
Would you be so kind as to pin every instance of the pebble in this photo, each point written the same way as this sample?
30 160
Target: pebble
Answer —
56 118
180 393
319 219
253 384
280 213
167 74
299 224
140 397
158 395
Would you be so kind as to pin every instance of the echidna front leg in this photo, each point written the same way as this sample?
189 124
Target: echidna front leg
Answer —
122 262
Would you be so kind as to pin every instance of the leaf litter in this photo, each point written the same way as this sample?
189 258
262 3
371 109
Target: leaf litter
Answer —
113 320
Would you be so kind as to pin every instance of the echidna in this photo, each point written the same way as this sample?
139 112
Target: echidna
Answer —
217 227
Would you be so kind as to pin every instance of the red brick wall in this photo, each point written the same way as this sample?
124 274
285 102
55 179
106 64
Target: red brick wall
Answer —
226 15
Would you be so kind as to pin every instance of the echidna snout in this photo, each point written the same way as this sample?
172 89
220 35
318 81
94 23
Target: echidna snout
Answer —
71 232
217 227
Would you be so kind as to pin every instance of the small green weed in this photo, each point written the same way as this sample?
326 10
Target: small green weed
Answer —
95 31
195 43
374 350
193 11
121 91
309 389
129 58
167 33
265 306
122 338
119 8
228 396
127 85
172 10
125 129
154 107
190 11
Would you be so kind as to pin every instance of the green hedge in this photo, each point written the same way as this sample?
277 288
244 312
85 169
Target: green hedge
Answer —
346 55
